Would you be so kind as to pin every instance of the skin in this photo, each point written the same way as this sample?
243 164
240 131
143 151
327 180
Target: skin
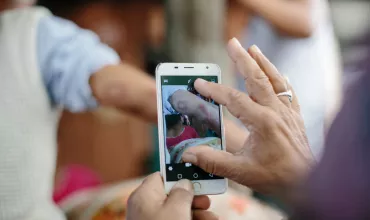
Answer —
201 112
126 88
207 113
150 201
275 158
292 17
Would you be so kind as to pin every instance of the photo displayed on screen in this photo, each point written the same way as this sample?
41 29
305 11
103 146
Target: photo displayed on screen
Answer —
189 120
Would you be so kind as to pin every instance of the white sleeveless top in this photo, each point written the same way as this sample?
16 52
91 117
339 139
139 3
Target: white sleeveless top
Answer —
310 63
28 123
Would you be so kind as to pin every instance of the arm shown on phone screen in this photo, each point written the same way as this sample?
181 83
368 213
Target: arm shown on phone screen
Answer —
189 104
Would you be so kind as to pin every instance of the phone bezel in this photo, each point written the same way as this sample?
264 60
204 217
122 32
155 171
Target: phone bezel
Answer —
208 187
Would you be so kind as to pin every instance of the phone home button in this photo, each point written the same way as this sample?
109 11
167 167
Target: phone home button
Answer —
197 187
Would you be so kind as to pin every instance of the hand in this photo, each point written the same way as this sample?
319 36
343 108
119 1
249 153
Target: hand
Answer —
276 154
150 202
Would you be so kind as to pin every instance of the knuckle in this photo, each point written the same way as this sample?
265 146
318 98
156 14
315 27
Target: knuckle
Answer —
298 106
264 83
208 164
269 121
258 74
234 95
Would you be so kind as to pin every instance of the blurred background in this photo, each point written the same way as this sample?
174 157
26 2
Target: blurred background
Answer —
120 147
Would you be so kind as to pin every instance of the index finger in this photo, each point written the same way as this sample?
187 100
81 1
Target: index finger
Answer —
256 81
239 104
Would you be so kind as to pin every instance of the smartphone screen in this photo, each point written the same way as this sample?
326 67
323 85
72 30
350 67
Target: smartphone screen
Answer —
189 120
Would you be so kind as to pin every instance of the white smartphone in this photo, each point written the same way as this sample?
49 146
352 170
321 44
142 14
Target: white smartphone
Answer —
187 119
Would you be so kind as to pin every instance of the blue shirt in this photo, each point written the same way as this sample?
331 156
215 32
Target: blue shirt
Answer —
68 56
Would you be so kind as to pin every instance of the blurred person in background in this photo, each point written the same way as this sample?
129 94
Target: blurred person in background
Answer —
297 36
98 139
8 4
48 62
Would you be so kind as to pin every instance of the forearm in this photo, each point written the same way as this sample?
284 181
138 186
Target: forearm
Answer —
290 17
126 88
237 20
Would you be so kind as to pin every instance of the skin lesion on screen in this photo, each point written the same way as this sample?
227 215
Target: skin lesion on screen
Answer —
182 107
181 101
204 114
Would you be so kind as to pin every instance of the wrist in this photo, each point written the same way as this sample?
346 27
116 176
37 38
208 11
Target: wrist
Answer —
290 190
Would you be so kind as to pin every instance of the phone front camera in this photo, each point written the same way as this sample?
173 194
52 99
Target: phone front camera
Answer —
207 67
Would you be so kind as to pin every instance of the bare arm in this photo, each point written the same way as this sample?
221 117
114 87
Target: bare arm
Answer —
187 103
132 91
290 17
126 88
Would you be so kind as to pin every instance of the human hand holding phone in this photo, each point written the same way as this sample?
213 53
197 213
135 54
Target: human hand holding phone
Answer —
150 201
276 157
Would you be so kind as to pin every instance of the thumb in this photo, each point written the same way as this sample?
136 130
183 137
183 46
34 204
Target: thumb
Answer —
220 163
180 199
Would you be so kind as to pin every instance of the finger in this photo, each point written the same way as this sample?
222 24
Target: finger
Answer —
239 104
180 199
218 162
149 195
256 81
201 202
277 81
295 102
204 215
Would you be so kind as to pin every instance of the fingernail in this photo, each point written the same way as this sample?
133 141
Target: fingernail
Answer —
184 184
189 158
255 49
236 42
234 48
287 79
200 82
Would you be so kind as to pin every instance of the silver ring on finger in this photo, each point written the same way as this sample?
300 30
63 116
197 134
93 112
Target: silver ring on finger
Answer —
288 94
